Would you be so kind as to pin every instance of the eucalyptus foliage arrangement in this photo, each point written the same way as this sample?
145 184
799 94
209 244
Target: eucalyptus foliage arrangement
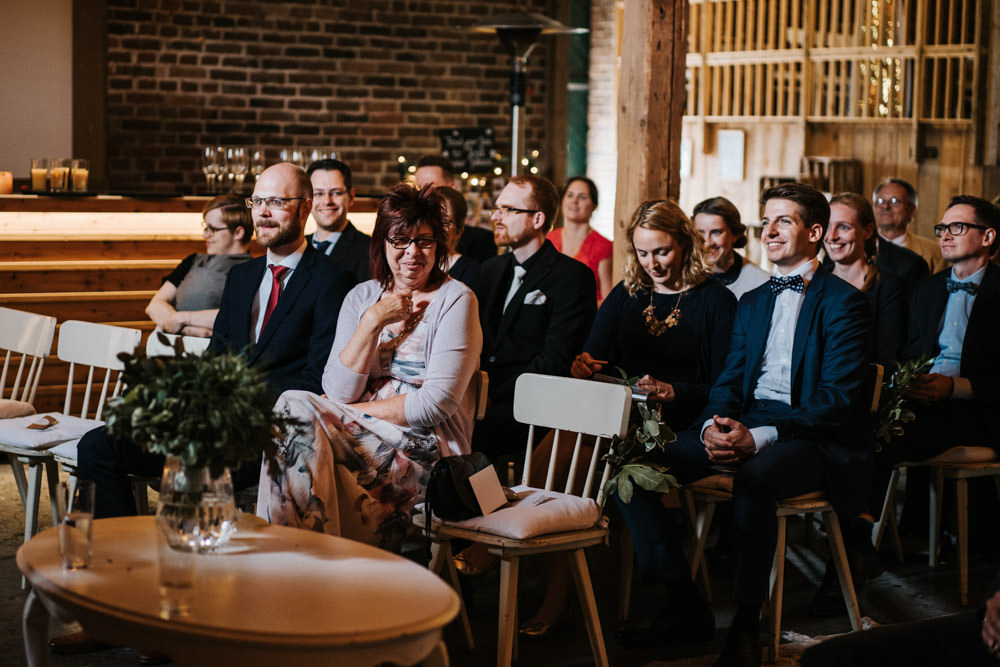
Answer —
893 406
628 456
209 410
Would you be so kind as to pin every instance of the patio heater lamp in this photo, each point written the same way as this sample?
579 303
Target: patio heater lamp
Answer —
518 33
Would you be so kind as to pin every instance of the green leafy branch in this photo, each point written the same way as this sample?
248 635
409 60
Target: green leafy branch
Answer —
629 456
209 410
893 407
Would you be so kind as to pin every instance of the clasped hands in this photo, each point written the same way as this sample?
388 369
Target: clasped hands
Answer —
584 366
728 441
991 625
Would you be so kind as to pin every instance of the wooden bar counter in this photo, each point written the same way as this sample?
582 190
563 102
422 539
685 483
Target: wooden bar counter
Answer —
100 258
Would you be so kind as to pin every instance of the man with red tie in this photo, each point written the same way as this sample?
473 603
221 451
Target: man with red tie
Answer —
280 310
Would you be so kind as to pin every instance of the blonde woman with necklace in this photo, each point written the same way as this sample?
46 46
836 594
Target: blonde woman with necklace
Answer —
665 323
397 391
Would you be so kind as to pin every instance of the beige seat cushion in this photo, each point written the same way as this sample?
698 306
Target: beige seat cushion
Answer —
10 408
538 512
16 432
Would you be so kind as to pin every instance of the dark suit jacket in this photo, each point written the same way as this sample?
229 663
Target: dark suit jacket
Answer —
829 360
907 265
477 243
293 348
887 302
351 252
980 361
539 338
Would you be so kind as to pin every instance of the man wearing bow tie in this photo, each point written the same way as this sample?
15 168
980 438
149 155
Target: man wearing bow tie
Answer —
955 316
786 415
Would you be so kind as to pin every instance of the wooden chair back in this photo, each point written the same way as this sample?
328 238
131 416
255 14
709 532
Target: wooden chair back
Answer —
585 407
95 348
25 341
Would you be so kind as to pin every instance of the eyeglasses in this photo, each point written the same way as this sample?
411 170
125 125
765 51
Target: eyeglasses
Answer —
271 202
956 228
890 201
320 194
403 242
208 230
504 211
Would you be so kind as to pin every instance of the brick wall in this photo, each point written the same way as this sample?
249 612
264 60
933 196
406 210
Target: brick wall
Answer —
369 80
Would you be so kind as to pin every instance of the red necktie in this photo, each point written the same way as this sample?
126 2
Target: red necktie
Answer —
272 300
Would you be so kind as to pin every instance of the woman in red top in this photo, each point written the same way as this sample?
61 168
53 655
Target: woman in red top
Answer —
578 239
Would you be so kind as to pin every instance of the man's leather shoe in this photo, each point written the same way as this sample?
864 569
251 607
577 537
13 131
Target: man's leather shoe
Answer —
671 627
74 643
150 657
740 650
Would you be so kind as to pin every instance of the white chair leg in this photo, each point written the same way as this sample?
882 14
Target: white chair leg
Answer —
625 574
777 594
843 568
585 591
441 560
33 492
52 479
962 507
508 611
888 509
702 525
936 498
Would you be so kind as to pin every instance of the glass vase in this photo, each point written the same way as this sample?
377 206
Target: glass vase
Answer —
196 512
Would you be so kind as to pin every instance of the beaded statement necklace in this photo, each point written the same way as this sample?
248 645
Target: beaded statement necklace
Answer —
656 327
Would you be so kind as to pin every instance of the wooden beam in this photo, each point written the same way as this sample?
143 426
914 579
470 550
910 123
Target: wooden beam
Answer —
651 101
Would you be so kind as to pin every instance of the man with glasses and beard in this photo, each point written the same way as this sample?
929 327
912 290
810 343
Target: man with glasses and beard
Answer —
536 306
280 310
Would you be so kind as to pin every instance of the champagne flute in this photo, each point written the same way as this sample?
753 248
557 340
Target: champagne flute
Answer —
210 165
257 161
236 162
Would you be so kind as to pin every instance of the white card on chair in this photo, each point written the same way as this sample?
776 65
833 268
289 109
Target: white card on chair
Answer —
489 493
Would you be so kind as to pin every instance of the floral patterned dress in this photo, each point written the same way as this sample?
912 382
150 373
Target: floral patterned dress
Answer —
347 473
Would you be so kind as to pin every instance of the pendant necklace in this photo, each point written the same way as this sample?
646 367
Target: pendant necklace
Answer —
656 327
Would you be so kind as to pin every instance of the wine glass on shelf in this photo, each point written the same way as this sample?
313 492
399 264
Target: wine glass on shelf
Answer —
257 163
212 165
236 164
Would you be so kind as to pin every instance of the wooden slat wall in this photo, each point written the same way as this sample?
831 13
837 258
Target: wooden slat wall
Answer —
97 281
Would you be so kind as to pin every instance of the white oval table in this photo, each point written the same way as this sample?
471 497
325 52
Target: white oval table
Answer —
274 596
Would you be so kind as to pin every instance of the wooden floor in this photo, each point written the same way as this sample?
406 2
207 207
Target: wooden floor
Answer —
907 591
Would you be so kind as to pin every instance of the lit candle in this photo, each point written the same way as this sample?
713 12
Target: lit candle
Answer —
6 183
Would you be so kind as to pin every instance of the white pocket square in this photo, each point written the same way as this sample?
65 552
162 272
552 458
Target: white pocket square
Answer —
535 298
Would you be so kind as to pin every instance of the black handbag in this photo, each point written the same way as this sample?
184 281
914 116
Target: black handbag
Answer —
449 494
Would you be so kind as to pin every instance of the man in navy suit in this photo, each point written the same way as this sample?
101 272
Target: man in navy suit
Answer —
335 236
437 170
290 349
954 316
782 415
536 306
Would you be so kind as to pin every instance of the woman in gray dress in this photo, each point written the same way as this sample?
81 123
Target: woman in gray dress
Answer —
188 300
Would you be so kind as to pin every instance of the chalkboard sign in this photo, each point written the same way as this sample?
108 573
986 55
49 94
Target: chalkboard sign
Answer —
469 148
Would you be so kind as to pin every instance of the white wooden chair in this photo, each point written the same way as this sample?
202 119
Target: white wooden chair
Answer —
25 342
960 464
93 348
593 408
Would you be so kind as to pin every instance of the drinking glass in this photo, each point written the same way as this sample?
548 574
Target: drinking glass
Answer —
257 162
80 174
236 164
59 175
75 518
40 174
212 164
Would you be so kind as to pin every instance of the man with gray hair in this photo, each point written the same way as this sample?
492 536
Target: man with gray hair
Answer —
895 204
